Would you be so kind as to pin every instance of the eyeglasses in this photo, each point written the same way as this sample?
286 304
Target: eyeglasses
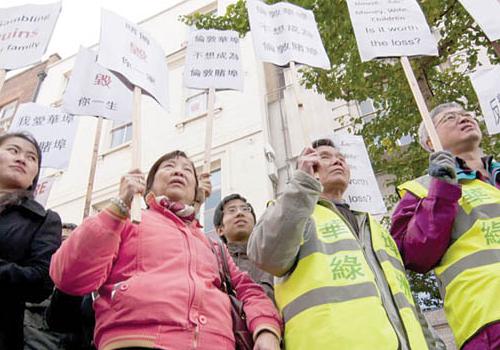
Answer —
453 117
234 210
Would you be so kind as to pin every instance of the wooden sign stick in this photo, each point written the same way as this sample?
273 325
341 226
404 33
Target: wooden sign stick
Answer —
3 73
300 105
422 107
135 210
209 131
93 166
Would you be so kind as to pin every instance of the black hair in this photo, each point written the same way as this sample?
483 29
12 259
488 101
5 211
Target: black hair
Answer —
154 169
322 142
219 210
31 139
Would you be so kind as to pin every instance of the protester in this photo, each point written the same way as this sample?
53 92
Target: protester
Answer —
342 284
29 235
449 221
234 219
158 281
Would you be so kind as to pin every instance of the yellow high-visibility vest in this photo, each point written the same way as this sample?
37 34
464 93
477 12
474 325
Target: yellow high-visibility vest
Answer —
331 299
469 271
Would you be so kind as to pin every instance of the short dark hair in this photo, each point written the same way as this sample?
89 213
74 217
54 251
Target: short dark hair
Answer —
31 139
154 169
322 142
219 211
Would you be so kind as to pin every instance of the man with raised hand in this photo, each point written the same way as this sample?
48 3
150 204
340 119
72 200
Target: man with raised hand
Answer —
342 284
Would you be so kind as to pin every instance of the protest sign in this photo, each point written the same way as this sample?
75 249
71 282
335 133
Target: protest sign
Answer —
486 83
95 91
25 33
53 129
43 188
363 193
485 13
389 28
284 33
213 60
130 51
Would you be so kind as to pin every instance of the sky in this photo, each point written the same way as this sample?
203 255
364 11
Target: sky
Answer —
79 21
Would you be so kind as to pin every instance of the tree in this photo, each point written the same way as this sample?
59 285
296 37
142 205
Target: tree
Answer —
441 79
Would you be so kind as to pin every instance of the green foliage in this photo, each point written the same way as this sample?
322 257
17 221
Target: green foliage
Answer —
383 81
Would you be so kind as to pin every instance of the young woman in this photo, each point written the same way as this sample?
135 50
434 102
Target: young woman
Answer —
29 235
158 281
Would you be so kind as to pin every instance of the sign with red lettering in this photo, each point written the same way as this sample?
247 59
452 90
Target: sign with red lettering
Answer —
25 33
127 49
95 91
43 188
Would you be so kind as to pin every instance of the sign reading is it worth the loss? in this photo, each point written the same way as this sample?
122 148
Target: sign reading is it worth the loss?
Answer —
213 60
284 33
391 28
25 33
363 193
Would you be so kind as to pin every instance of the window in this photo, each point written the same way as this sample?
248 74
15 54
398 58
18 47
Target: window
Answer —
120 133
365 108
212 202
196 103
7 112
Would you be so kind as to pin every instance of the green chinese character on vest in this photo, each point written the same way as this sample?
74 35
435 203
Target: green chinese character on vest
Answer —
349 268
491 231
332 229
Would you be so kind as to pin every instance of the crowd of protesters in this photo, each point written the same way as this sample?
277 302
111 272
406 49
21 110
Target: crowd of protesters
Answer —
310 273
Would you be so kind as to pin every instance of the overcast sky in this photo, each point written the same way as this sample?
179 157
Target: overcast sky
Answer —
79 21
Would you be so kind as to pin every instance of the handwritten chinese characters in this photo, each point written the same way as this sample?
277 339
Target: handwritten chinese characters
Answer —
213 60
284 32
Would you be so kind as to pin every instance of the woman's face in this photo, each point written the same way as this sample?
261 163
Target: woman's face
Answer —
175 179
18 164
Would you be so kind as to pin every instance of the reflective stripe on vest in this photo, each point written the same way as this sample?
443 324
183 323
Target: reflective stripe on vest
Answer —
470 268
331 296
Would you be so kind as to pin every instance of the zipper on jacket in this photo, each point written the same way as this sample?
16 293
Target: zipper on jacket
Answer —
376 272
196 335
385 291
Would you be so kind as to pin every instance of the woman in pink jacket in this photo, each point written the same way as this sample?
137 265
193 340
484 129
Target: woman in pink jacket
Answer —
158 283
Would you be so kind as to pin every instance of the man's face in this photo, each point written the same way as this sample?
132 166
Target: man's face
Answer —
457 130
333 171
237 221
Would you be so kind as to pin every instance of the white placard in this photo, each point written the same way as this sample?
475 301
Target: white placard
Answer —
391 28
283 33
127 49
485 13
53 129
43 188
25 33
95 91
363 193
486 83
213 60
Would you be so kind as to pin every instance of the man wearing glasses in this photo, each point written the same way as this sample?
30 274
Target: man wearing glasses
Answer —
449 221
234 219
342 284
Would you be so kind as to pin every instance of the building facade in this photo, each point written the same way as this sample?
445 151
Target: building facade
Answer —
257 132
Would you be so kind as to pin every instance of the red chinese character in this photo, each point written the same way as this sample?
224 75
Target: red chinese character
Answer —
102 80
